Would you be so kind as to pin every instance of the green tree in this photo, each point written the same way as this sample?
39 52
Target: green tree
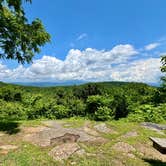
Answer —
19 39
163 69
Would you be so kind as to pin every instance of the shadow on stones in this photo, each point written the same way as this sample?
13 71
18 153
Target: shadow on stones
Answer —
9 127
154 162
66 138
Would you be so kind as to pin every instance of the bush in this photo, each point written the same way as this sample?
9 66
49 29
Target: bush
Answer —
94 102
148 113
119 105
104 113
12 111
59 112
77 107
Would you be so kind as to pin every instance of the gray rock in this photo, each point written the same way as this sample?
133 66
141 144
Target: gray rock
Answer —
64 151
154 125
56 130
103 128
66 138
8 147
130 134
123 147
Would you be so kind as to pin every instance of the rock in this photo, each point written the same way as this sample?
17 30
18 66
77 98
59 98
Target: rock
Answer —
155 127
130 155
117 163
91 131
4 152
159 144
53 124
103 128
64 151
130 134
80 152
66 138
123 147
43 137
2 134
8 147
149 152
31 130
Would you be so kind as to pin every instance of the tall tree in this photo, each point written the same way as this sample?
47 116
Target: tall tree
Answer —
19 39
163 69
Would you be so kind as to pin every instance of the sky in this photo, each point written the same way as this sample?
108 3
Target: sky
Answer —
96 40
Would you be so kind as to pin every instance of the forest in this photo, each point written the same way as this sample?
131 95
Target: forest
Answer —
103 101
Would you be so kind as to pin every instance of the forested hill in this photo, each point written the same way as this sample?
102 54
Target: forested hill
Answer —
97 101
70 84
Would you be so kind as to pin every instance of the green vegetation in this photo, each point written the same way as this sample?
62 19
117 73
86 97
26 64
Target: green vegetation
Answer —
96 101
97 153
19 39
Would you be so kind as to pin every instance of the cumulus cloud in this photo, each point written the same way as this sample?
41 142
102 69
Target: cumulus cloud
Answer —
5 73
151 46
90 64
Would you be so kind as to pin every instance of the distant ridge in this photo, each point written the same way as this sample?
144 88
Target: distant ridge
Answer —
48 84
71 83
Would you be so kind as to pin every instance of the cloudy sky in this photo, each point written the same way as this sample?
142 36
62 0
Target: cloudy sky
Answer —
96 40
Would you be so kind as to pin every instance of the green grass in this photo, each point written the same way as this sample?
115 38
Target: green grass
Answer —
97 154
27 155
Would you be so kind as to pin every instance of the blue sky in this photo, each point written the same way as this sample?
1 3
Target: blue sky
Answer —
133 32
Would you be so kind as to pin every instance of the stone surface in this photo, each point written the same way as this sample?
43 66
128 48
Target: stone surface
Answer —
64 151
8 147
2 134
149 152
123 147
55 130
130 134
155 127
90 131
66 138
116 163
130 155
160 141
4 152
159 144
80 152
103 128
31 130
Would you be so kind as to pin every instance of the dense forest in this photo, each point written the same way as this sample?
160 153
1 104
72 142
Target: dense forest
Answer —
96 101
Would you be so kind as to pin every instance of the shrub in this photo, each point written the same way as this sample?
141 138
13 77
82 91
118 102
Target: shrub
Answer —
94 102
104 113
59 112
148 113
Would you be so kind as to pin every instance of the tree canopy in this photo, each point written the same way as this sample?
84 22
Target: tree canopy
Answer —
163 69
19 39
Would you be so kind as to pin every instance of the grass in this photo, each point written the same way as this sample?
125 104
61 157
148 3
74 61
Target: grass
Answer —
27 155
98 154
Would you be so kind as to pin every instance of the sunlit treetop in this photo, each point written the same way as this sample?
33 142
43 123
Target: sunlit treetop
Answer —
19 39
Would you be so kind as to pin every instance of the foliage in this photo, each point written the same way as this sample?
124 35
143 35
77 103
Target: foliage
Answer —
104 101
104 113
148 113
163 69
19 39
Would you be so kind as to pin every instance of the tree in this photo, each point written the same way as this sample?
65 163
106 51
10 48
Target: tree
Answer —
163 69
19 39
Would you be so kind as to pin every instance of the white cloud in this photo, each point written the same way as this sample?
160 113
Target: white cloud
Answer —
151 46
82 36
140 71
5 73
90 64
